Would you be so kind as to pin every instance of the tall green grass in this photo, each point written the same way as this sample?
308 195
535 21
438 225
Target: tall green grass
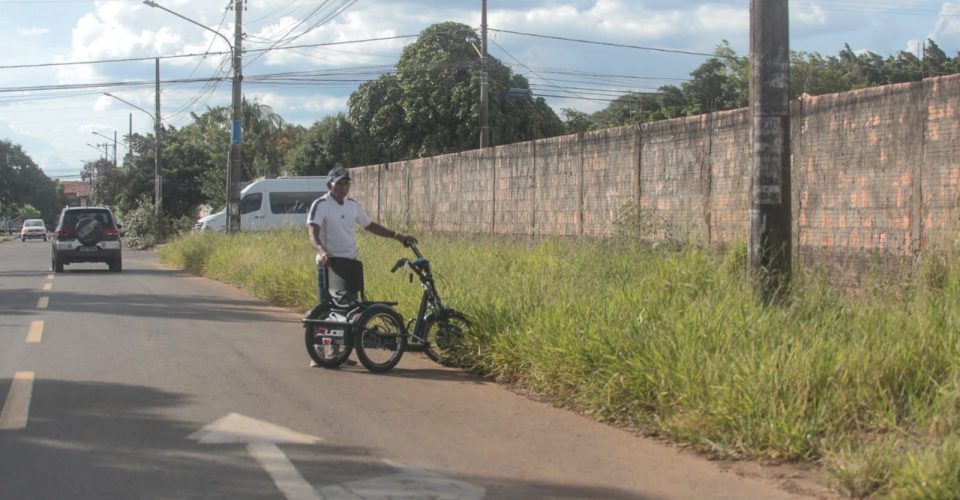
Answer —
673 342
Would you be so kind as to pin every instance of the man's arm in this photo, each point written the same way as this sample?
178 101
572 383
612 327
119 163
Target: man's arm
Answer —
314 231
379 230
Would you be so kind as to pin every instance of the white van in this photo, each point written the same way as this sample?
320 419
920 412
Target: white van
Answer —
271 204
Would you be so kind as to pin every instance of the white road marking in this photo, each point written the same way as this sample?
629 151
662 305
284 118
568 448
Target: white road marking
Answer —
50 276
261 439
17 406
408 482
43 302
35 334
284 474
47 286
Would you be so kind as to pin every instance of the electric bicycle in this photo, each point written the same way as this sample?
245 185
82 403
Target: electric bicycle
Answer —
374 328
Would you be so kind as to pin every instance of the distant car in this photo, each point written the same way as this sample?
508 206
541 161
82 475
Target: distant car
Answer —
86 234
33 229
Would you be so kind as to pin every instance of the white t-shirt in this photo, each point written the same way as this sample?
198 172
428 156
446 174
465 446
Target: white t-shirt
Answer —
336 223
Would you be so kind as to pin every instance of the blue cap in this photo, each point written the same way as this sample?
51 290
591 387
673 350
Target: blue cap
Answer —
336 174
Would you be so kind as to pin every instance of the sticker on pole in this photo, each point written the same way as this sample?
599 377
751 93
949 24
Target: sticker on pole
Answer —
235 136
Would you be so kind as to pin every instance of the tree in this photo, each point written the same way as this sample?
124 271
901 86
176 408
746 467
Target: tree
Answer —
328 143
811 73
935 61
721 82
431 105
377 117
577 122
23 183
107 187
28 212
264 140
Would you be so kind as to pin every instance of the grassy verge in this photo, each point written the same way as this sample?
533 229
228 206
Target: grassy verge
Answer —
674 344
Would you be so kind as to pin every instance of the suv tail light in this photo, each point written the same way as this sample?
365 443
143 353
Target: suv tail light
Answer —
66 234
111 232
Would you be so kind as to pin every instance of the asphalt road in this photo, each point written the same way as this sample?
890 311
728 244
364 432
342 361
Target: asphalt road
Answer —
154 384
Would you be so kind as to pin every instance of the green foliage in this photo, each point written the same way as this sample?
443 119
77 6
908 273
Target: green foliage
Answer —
144 228
676 344
722 83
22 182
328 143
431 105
28 212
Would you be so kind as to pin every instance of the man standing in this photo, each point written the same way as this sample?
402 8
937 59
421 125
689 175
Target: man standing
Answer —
331 223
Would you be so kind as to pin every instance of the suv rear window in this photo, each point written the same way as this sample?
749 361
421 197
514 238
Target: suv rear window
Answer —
71 218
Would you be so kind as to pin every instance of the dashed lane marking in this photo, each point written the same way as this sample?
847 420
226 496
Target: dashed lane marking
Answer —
35 334
17 407
43 302
50 276
47 286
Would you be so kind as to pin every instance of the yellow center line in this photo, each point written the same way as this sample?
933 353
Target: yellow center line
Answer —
43 302
17 407
48 286
35 335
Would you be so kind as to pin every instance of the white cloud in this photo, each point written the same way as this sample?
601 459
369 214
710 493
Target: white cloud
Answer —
32 31
809 13
949 20
325 104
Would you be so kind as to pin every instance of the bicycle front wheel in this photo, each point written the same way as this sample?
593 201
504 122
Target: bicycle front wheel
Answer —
379 338
445 332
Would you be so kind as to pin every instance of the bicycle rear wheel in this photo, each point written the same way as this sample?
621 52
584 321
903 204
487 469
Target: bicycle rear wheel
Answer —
325 351
379 338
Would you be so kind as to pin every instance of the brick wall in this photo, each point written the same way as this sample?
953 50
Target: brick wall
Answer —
876 179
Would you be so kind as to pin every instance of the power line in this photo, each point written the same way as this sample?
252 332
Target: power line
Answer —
136 59
608 44
561 89
285 40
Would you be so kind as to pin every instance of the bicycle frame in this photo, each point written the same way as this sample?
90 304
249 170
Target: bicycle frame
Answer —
430 299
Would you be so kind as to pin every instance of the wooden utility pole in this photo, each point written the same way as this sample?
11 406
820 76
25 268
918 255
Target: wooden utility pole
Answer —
157 128
484 81
234 169
770 217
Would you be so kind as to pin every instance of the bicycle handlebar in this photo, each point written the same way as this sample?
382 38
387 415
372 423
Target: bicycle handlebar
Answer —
412 245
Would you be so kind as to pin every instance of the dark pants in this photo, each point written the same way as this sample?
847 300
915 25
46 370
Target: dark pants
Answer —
323 295
340 282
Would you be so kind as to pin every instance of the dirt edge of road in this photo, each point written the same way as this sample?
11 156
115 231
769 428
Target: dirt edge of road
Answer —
801 479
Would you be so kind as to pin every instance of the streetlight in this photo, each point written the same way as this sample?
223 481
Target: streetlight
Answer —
157 200
233 168
97 147
114 144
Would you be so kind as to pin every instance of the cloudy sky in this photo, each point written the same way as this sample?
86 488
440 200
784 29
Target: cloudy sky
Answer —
58 57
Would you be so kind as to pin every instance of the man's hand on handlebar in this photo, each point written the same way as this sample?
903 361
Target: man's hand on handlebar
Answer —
406 239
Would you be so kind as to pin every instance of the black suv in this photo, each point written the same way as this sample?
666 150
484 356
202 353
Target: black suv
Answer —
86 234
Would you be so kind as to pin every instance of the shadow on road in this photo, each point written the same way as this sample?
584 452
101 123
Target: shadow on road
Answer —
23 302
102 440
